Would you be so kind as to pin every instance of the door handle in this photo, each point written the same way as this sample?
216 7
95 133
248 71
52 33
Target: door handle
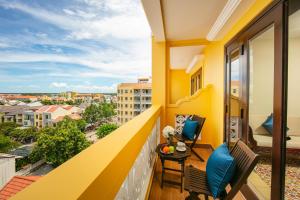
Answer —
287 138
242 113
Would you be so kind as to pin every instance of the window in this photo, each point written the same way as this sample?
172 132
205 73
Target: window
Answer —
196 81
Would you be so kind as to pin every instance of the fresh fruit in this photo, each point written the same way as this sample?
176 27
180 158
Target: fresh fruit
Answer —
171 148
166 149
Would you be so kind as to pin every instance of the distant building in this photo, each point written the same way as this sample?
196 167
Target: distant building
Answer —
89 97
133 98
22 98
17 114
7 168
46 115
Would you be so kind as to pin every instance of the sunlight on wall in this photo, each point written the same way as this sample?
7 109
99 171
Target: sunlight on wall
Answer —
179 85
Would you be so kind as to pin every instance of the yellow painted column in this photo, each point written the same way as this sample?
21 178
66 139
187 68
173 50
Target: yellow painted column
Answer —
159 74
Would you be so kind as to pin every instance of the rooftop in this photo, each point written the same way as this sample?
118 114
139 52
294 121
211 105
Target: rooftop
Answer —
49 109
135 85
15 185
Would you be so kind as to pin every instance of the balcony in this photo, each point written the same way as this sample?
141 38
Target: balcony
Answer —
95 173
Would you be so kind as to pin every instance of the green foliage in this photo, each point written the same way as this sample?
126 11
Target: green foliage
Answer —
25 136
92 114
53 102
7 127
47 102
107 110
57 145
69 102
95 113
6 144
81 124
105 129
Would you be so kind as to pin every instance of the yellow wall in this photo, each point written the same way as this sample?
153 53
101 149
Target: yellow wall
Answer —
213 76
159 72
214 66
179 85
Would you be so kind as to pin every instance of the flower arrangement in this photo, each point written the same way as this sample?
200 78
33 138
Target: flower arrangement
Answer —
168 133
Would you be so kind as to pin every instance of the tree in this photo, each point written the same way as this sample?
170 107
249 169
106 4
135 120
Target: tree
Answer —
107 110
7 127
105 129
25 136
95 113
57 145
47 102
81 124
6 144
92 114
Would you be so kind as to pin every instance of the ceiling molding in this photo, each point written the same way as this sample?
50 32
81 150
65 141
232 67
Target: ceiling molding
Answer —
182 43
193 62
226 13
153 11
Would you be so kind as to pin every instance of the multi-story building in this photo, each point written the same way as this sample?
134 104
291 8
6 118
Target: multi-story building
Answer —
46 115
17 114
133 98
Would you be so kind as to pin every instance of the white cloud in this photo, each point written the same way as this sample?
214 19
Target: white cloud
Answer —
129 24
86 87
118 38
58 85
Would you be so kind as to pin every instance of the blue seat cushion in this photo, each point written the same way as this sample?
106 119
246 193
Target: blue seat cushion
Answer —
190 128
220 170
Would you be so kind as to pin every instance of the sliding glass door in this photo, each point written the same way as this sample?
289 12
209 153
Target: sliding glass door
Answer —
262 105
260 108
292 168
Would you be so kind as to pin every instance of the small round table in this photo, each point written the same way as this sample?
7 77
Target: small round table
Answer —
177 156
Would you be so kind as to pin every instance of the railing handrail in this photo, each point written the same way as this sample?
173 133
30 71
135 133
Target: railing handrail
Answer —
98 171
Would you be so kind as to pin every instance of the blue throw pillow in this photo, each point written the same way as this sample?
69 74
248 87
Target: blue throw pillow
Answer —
220 169
268 124
189 129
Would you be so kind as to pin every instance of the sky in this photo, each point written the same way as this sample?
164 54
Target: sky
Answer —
77 45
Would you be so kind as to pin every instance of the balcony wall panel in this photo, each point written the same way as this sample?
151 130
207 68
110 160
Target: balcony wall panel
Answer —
99 171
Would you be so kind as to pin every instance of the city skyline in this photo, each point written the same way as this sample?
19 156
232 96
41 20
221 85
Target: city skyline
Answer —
56 46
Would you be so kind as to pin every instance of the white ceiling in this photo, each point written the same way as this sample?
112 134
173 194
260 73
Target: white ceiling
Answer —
180 57
190 19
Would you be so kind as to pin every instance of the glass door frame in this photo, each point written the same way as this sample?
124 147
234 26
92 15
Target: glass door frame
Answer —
276 13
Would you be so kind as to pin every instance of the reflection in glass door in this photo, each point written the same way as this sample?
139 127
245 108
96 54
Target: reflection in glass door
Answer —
235 119
292 169
260 109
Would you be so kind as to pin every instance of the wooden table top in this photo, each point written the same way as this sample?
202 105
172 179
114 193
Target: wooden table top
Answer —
177 155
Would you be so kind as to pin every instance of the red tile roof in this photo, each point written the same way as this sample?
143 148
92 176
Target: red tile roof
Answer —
50 109
67 107
15 185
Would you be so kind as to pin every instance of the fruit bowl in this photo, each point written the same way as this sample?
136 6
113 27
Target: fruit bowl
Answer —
166 149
